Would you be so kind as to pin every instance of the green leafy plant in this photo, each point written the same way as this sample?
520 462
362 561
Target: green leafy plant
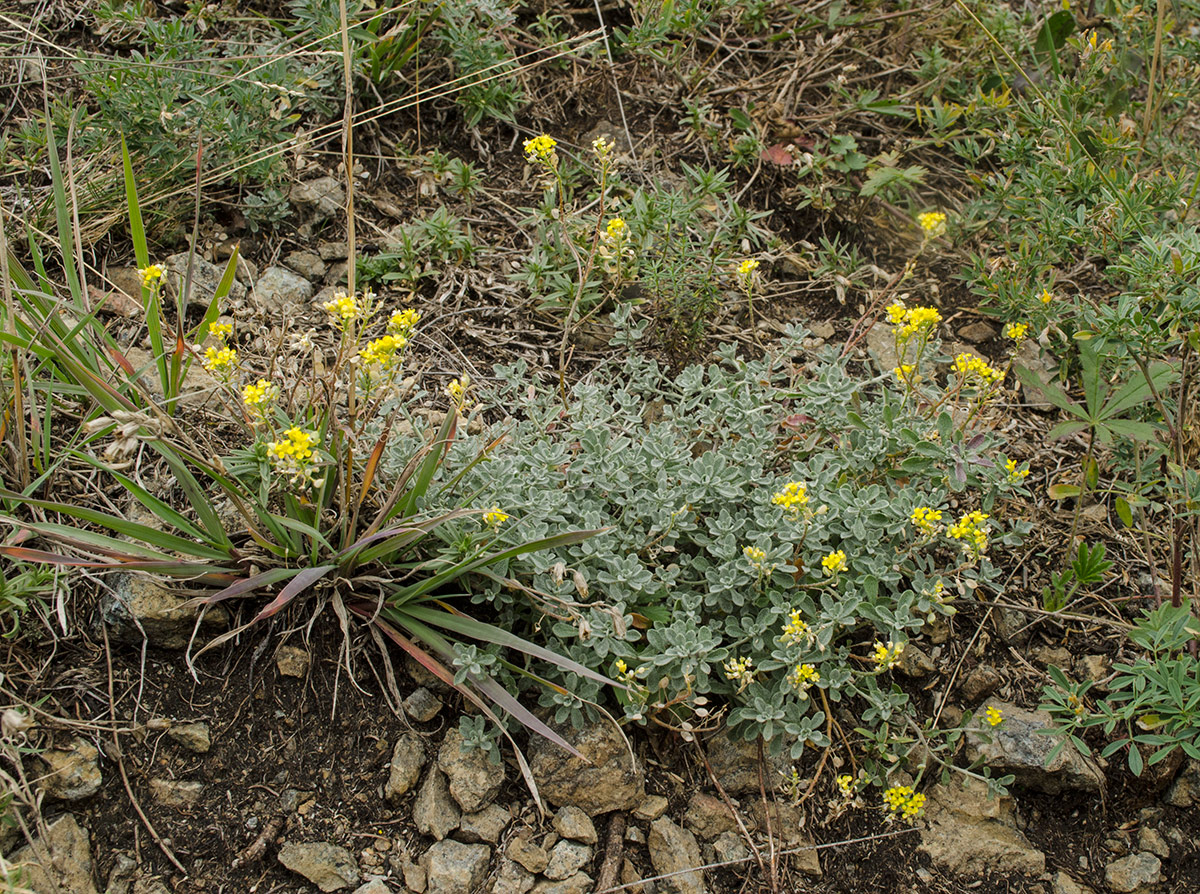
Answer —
1088 567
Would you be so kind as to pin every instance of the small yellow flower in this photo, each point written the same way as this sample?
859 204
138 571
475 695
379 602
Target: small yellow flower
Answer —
792 498
919 320
904 372
933 223
220 331
754 554
293 455
887 657
602 147
1015 474
994 716
896 312
258 397
747 267
151 275
971 368
1016 331
740 670
834 563
385 351
845 784
796 632
926 520
402 323
972 531
495 517
616 229
540 150
804 676
220 361
1046 296
901 802
457 390
342 307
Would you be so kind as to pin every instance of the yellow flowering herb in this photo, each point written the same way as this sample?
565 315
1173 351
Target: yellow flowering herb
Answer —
972 368
972 531
804 676
616 229
540 150
151 275
457 390
602 147
901 802
385 351
220 361
845 784
994 716
258 397
933 223
904 372
896 312
887 657
1015 475
1016 331
926 520
834 563
403 323
796 631
293 455
342 307
740 671
221 331
1046 296
792 498
754 554
495 517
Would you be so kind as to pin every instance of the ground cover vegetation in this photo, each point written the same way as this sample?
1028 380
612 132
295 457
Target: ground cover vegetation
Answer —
637 389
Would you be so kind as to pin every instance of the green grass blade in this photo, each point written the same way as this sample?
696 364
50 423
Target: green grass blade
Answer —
137 230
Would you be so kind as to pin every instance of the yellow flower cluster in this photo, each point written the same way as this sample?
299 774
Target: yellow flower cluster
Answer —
220 361
904 371
457 390
796 631
926 519
972 530
901 802
754 554
343 308
495 517
804 677
1015 475
846 785
625 675
384 351
1046 296
834 563
740 670
258 397
150 275
968 367
1016 331
616 229
793 497
994 716
540 150
293 455
932 222
887 657
221 331
402 323
911 321
602 147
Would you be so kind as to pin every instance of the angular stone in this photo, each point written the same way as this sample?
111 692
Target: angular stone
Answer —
474 780
195 737
512 878
72 773
571 822
279 290
176 792
408 757
977 332
528 854
62 861
292 661
579 883
566 859
970 835
205 279
1017 747
485 826
915 662
308 264
787 822
730 847
138 604
981 682
651 809
435 813
422 705
673 850
1185 790
735 763
606 780
326 865
322 198
1133 874
374 886
333 251
452 867
1151 840
1064 884
707 816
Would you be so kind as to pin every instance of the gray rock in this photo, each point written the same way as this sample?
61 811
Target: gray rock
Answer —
374 886
915 662
1133 874
579 883
977 332
120 880
326 865
435 812
308 264
881 345
408 757
195 737
150 886
422 705
136 603
512 878
571 822
735 763
205 279
1093 668
606 780
707 816
528 854
651 809
566 859
788 822
1030 356
333 251
452 867
1064 884
1185 790
72 773
321 198
474 779
981 682
1151 840
730 847
62 861
292 661
672 850
176 792
970 835
415 877
279 290
485 826
1017 747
